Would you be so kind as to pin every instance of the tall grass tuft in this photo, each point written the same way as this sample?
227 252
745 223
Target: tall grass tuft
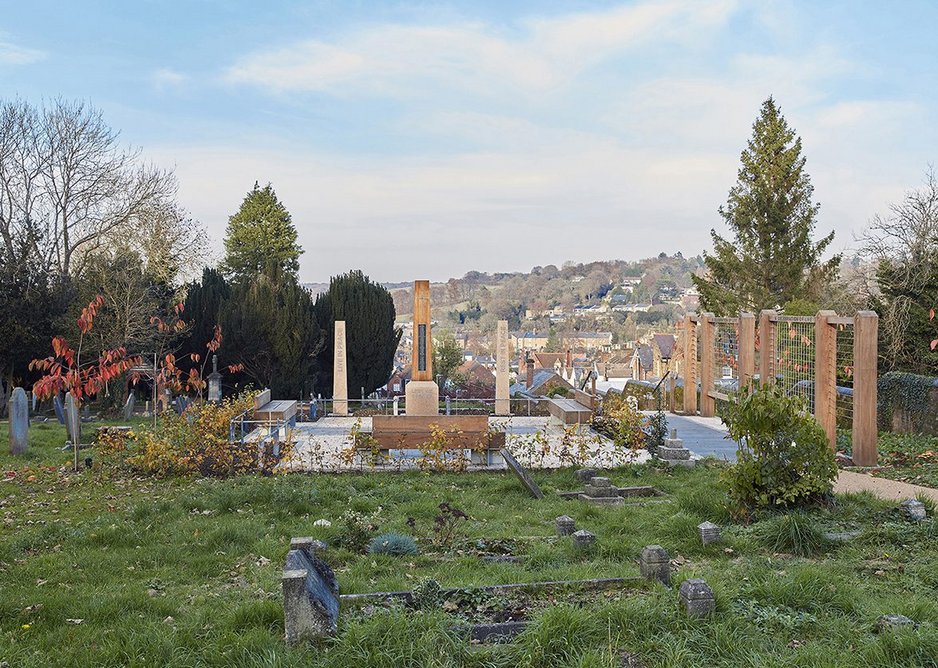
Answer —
796 533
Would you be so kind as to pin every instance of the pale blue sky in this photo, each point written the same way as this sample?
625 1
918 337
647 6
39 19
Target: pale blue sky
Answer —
423 139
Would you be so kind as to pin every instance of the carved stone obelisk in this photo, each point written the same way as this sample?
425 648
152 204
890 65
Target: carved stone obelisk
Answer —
422 395
502 400
339 372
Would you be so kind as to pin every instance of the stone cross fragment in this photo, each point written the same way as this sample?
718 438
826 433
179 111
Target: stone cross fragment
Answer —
654 564
310 593
565 525
697 598
709 532
18 410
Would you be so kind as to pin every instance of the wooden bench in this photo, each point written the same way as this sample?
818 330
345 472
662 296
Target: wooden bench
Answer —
463 432
568 411
273 412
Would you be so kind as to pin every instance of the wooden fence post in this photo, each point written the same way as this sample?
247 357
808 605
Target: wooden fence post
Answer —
707 403
865 331
747 349
825 375
767 347
690 364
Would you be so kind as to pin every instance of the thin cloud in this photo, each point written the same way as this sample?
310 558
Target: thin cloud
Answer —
167 78
14 54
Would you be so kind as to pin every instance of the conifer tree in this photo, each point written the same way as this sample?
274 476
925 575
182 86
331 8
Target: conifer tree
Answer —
260 235
772 259
370 336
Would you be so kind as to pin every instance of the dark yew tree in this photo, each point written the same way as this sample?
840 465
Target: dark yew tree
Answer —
202 310
370 335
772 259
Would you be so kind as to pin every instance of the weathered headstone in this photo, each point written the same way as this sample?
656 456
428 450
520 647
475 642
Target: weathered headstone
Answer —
181 404
913 509
72 419
18 410
600 487
422 394
340 371
310 593
214 383
654 564
565 525
583 539
585 475
59 409
709 532
129 406
697 598
673 451
522 475
891 621
502 400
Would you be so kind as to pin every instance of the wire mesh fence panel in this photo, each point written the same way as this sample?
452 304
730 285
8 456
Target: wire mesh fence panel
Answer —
795 356
844 376
726 355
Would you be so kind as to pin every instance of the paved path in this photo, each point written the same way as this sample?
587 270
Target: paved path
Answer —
892 490
703 436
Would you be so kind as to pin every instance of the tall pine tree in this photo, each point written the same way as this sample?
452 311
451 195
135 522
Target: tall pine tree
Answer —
261 235
370 336
772 259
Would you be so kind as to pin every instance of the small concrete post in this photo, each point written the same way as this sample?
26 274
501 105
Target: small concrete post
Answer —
697 598
18 411
565 525
654 564
583 539
709 532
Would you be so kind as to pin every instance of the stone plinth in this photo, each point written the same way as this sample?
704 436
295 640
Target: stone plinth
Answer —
18 411
697 598
673 451
422 397
583 539
654 564
585 475
709 532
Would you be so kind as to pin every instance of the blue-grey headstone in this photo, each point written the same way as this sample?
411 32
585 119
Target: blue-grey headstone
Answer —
35 400
310 595
72 419
59 408
18 406
129 406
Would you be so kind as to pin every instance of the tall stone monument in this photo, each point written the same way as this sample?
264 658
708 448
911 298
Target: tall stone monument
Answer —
422 394
18 410
502 400
339 372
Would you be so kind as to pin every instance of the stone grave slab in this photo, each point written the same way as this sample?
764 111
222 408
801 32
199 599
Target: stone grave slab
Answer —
522 475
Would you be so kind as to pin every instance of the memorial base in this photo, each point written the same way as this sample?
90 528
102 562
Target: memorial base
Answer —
422 398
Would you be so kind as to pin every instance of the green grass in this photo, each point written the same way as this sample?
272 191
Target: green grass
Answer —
185 572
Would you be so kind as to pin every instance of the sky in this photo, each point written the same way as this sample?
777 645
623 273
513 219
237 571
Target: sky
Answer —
427 139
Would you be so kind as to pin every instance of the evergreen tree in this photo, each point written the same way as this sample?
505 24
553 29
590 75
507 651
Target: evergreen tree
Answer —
370 336
772 259
259 235
202 310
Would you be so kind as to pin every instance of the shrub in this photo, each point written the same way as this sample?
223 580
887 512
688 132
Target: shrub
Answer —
394 544
358 528
427 594
795 533
620 422
783 457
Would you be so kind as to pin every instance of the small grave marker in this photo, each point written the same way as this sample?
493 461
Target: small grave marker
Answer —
697 598
709 532
18 410
129 406
583 539
522 475
914 509
654 564
565 524
310 593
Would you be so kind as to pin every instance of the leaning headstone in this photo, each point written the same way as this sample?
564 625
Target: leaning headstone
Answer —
181 403
310 593
72 419
709 532
697 598
913 509
891 621
583 539
585 475
522 475
129 406
18 410
654 564
59 409
565 525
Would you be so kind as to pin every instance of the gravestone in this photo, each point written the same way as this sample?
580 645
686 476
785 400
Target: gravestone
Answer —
18 410
129 405
697 598
565 525
502 400
673 451
709 532
310 593
59 409
214 383
654 564
913 509
340 372
181 403
422 394
600 487
891 621
72 419
583 539
585 475
522 475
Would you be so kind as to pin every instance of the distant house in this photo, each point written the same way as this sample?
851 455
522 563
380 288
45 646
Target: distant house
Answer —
537 383
587 340
663 349
528 341
642 363
547 360
480 381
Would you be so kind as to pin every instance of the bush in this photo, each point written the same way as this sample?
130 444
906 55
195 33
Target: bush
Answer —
394 544
195 442
795 533
783 457
357 529
620 422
